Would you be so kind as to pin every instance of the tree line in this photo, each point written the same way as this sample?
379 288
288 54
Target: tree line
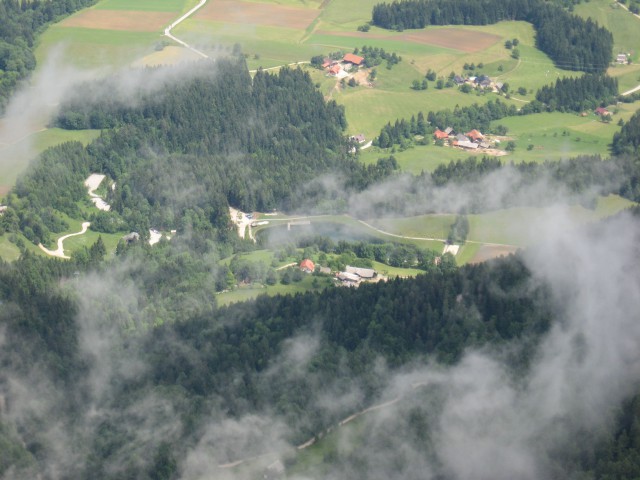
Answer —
22 21
572 42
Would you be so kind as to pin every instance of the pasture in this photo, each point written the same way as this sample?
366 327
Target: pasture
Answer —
19 154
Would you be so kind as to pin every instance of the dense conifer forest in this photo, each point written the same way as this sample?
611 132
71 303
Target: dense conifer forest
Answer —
20 22
571 42
253 144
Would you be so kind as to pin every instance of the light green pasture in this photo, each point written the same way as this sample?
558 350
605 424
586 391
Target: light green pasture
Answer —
249 292
557 135
417 159
518 226
21 153
430 226
8 251
94 48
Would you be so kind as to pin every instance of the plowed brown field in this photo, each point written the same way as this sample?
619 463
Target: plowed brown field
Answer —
257 14
121 20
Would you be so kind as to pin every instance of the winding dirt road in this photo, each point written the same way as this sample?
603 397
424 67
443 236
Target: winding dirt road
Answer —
60 250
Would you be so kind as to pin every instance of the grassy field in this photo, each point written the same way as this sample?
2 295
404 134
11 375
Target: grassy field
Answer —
249 292
20 153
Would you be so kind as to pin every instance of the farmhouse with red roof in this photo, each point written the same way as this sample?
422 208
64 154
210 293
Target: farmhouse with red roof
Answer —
307 266
440 135
475 135
335 70
353 59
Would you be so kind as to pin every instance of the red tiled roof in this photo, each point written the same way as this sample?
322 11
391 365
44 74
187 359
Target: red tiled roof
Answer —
351 58
307 264
439 134
335 69
475 134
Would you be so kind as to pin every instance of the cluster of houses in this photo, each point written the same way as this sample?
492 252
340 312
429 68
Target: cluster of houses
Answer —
481 81
339 68
351 276
472 140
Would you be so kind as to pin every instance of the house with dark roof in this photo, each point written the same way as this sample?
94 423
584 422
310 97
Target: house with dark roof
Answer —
353 59
483 81
448 130
462 138
458 80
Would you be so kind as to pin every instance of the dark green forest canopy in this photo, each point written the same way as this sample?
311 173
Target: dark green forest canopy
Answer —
195 363
185 144
20 23
572 42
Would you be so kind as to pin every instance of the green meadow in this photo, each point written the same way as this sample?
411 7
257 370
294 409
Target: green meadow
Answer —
95 48
22 152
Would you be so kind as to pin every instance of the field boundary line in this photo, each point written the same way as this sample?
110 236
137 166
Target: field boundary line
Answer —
167 31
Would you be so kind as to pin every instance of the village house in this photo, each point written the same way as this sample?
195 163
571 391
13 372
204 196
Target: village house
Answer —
475 136
131 237
462 138
353 276
363 273
602 112
621 58
466 144
307 266
458 80
352 59
360 138
440 135
448 131
335 70
483 81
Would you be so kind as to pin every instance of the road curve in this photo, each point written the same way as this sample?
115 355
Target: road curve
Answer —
167 31
60 250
